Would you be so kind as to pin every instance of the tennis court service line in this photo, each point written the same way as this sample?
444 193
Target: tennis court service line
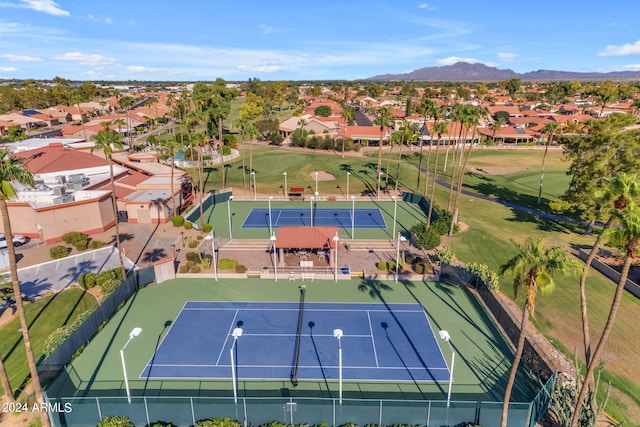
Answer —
224 344
373 341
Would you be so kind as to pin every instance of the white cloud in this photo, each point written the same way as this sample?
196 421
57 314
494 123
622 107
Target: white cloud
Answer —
45 6
139 69
84 59
453 59
624 50
106 20
20 58
267 29
426 6
265 68
632 67
507 56
7 69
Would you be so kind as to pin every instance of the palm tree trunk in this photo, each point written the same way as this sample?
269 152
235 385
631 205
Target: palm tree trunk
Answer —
544 158
426 169
173 196
201 185
224 181
456 208
17 294
398 168
593 364
115 214
514 366
379 159
420 165
6 385
433 184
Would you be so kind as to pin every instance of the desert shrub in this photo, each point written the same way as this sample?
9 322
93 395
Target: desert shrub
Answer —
417 260
194 269
207 228
194 243
192 256
116 421
382 265
217 422
71 237
486 275
81 245
96 244
227 264
87 280
445 255
188 225
177 221
199 237
183 269
426 239
190 264
59 251
408 258
162 424
443 223
391 265
241 268
419 268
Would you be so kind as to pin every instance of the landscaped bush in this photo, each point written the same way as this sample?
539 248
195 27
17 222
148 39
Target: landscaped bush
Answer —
199 237
382 265
408 258
426 239
87 280
188 225
183 269
217 422
177 221
391 265
419 268
445 255
57 252
116 421
194 269
207 228
190 264
192 256
241 268
194 243
227 264
71 237
96 244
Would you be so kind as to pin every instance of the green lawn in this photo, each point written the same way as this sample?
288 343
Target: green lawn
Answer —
43 316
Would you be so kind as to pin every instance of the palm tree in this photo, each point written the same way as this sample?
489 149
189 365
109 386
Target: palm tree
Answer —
12 171
106 141
169 148
438 128
383 119
533 269
627 235
495 127
550 129
427 108
302 123
348 117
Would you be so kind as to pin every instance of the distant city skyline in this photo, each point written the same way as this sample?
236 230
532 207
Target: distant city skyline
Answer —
329 40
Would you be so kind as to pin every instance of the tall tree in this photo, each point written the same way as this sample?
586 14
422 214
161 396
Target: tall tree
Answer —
438 128
251 110
12 171
348 118
169 148
383 120
108 140
125 103
627 237
550 129
533 268
427 108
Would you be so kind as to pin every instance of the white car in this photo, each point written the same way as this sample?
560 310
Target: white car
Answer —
18 240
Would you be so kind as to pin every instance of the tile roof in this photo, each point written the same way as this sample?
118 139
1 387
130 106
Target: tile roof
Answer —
57 158
304 237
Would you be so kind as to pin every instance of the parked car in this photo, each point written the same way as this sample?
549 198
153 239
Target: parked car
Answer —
18 240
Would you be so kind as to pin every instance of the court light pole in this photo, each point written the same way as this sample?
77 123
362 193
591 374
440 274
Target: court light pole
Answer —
273 246
316 184
348 175
213 255
401 238
229 215
336 240
270 226
255 196
339 334
237 332
395 211
134 333
445 336
286 189
311 208
353 216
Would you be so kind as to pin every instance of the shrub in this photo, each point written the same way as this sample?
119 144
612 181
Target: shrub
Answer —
71 237
486 275
382 265
408 258
81 245
426 239
57 252
190 264
391 266
96 244
417 260
419 268
87 280
217 422
241 268
194 269
199 237
193 244
188 225
207 228
227 264
192 256
116 421
178 221
445 255
183 269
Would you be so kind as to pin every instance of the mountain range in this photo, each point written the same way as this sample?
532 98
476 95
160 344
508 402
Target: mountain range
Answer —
464 71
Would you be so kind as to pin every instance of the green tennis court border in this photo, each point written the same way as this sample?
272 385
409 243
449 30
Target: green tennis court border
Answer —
483 356
407 214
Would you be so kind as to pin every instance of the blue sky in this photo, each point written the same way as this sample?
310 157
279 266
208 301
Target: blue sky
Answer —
287 40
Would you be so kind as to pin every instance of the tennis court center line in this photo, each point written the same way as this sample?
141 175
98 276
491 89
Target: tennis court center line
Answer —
224 344
275 224
373 341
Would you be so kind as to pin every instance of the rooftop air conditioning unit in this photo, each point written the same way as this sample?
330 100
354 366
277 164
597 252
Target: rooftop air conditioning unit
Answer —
58 191
61 179
67 198
73 186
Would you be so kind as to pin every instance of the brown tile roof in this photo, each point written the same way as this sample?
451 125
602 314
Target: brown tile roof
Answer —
306 237
57 158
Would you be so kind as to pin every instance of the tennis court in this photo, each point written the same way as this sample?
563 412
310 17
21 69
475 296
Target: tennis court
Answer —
335 217
381 342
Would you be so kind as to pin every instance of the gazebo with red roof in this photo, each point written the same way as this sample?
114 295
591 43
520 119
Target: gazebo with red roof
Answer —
306 239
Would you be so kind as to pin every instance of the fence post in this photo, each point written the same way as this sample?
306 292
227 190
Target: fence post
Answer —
333 401
146 411
193 414
380 417
99 411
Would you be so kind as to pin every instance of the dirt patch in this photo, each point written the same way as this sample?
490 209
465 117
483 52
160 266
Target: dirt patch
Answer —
323 176
500 170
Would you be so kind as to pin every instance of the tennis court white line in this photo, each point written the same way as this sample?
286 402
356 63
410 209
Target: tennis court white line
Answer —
296 309
373 341
275 224
393 368
304 335
224 344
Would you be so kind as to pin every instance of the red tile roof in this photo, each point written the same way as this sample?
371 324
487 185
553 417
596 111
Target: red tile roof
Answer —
306 237
57 158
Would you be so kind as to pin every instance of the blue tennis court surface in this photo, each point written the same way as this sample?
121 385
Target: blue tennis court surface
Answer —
335 217
381 342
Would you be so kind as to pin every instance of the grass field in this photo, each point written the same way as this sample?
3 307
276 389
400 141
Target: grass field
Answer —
43 316
480 370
